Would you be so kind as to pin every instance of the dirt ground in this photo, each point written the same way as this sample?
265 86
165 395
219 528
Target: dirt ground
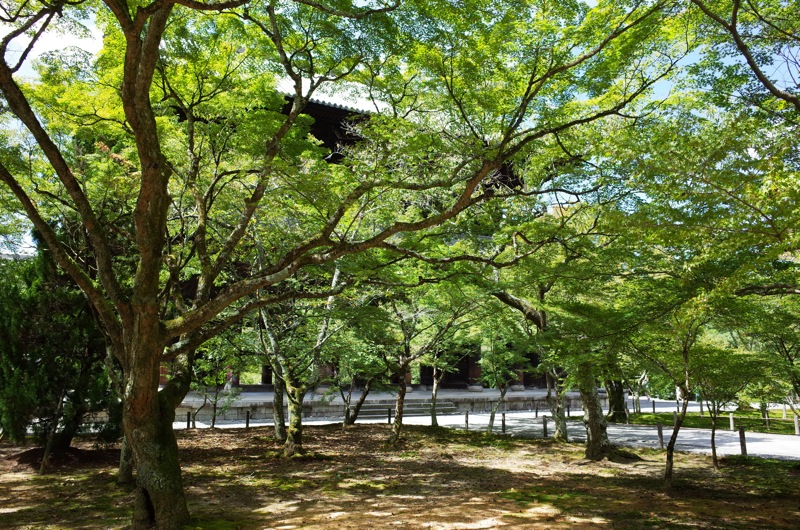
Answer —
436 478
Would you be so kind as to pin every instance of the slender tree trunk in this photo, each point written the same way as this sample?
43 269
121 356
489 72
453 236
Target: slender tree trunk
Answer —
125 471
352 415
71 422
437 380
347 399
713 411
598 445
555 401
397 426
294 434
51 436
496 407
214 405
668 471
197 411
278 403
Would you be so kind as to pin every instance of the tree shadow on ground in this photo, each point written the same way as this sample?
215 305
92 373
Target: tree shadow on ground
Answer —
435 478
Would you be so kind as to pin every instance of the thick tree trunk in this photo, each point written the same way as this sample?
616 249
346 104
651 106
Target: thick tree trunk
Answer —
147 420
278 416
397 426
616 401
160 500
598 445
125 471
63 438
294 434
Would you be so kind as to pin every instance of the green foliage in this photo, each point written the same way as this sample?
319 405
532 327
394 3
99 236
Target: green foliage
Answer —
50 351
506 347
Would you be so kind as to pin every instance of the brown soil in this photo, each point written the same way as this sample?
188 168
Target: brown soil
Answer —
436 478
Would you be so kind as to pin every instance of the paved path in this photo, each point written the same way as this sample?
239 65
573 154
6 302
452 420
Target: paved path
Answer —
528 425
694 440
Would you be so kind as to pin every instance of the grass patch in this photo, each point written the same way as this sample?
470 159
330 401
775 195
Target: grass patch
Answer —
537 495
750 420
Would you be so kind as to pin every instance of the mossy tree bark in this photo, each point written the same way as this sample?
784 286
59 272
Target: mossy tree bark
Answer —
598 445
148 415
278 404
399 404
555 401
293 445
125 470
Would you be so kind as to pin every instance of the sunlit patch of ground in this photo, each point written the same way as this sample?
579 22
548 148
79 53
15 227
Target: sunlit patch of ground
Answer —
434 479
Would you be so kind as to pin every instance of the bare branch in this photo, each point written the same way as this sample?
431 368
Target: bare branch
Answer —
744 49
199 337
775 289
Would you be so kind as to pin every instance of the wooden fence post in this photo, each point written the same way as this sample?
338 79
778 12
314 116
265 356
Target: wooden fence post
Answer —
466 420
189 420
504 423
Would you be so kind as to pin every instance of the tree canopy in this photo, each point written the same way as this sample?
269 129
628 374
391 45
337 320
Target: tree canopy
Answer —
595 165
